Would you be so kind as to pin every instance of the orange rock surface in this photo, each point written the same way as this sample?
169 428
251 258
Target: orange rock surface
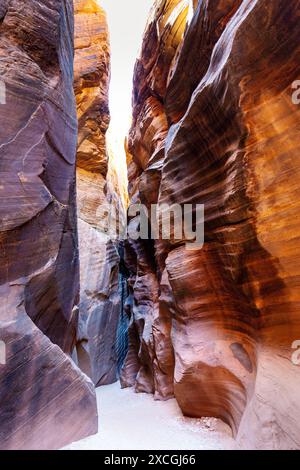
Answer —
214 123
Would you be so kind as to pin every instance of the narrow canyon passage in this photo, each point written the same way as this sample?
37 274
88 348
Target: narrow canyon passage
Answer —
116 117
205 324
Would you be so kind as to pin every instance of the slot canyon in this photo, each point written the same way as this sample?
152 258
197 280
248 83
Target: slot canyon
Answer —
214 122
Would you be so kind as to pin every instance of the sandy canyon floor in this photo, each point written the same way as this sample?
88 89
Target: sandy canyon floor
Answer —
135 421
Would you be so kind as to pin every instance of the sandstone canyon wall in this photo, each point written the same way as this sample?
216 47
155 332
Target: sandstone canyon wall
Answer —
150 361
45 400
214 123
99 260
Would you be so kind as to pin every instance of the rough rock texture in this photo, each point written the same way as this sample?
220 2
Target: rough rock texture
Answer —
99 299
214 123
45 400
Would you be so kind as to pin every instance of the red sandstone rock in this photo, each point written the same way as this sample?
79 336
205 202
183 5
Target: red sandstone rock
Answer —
150 299
45 400
233 146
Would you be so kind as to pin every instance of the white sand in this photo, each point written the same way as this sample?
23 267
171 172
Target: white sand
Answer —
129 420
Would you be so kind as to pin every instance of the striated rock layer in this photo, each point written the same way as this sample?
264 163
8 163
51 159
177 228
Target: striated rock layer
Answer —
214 123
150 361
45 400
99 260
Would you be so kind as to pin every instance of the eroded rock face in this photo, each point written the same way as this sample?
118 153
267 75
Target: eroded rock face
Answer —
99 260
151 367
214 123
45 400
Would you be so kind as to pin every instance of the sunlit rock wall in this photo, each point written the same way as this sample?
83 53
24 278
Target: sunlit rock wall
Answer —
45 400
99 298
214 123
150 361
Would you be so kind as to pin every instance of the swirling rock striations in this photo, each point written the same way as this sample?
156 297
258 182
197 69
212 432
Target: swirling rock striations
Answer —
214 123
99 260
45 400
150 361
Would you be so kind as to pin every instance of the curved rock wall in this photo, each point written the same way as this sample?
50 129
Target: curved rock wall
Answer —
214 123
45 400
150 361
99 260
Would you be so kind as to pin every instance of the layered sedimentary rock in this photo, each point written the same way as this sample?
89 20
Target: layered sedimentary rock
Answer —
214 123
150 361
99 260
45 400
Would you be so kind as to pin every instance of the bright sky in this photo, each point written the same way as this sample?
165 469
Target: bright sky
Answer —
126 21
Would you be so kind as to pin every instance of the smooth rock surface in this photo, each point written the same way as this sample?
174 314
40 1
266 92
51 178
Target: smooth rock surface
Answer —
214 123
150 362
45 400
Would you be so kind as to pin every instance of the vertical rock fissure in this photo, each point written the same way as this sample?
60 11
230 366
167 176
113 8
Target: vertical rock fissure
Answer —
122 332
